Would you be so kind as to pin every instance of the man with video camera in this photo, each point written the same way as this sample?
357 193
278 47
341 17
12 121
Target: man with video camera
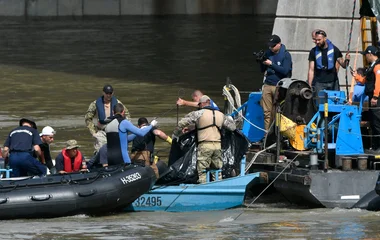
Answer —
276 64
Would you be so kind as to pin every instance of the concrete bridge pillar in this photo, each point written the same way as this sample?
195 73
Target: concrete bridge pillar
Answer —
78 8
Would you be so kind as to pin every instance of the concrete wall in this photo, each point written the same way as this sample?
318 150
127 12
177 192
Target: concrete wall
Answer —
78 8
296 19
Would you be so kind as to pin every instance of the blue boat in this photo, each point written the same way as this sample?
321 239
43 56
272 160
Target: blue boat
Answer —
216 195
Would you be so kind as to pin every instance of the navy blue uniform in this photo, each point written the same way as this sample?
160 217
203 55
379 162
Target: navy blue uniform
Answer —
20 142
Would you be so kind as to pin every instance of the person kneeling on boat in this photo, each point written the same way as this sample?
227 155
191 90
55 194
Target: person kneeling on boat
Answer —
47 137
19 146
117 132
143 147
70 159
208 122
99 159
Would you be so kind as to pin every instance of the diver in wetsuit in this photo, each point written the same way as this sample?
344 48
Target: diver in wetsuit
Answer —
117 136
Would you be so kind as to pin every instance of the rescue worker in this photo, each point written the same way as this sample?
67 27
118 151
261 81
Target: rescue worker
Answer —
208 123
99 159
47 137
19 146
70 159
337 65
372 90
102 109
323 72
196 95
143 147
119 132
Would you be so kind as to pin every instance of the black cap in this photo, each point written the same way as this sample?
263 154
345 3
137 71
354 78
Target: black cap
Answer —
28 120
370 49
273 40
108 88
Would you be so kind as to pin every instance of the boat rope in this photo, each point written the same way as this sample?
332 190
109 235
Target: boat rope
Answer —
181 90
231 101
166 112
353 78
349 44
175 199
256 155
254 200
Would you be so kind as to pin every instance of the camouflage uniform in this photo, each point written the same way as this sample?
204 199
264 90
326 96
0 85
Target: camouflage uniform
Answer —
209 153
97 131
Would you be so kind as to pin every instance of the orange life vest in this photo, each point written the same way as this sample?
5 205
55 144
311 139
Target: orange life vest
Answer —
67 161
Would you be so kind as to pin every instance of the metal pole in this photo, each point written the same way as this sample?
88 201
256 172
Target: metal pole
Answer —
326 114
277 124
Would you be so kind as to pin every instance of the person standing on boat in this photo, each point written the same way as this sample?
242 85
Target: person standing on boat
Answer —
119 132
143 147
102 108
313 36
372 90
323 73
47 137
19 146
276 65
208 122
70 159
196 95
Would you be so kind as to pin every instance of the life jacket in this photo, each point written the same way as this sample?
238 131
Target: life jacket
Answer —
114 148
67 161
330 57
209 130
213 105
100 108
370 80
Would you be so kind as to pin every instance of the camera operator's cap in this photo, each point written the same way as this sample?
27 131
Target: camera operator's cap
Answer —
204 99
71 144
47 131
370 49
108 88
273 40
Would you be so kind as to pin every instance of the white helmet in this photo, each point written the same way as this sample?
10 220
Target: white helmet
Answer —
47 131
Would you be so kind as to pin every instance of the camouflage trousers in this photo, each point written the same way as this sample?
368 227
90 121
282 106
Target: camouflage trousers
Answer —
100 140
209 155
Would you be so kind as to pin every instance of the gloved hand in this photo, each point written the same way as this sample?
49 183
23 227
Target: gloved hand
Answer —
230 118
169 140
153 122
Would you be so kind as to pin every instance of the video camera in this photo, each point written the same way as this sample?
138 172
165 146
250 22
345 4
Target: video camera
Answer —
260 56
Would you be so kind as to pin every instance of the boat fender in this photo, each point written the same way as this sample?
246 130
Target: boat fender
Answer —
41 197
87 193
3 200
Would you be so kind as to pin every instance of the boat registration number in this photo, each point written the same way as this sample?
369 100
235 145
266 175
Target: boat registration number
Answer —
148 201
130 178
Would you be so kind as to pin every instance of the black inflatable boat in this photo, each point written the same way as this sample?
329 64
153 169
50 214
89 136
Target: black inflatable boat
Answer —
94 193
